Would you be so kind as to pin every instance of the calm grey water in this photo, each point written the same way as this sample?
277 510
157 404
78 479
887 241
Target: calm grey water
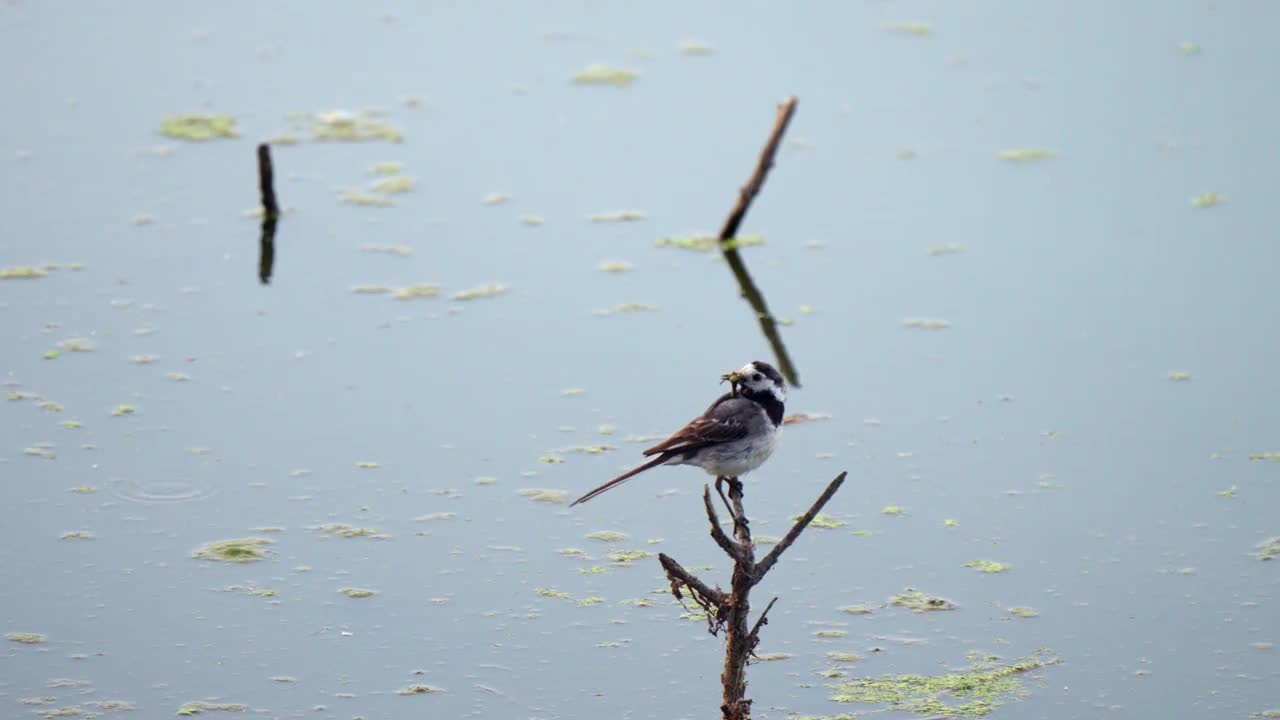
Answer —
1043 420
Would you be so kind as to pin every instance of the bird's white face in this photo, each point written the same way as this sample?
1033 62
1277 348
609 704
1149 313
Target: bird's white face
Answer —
760 379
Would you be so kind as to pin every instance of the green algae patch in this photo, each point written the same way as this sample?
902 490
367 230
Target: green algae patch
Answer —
80 345
1026 155
919 29
415 292
122 410
607 536
26 638
975 692
616 216
350 531
1189 48
1268 549
842 657
615 266
548 592
589 601
21 273
823 521
360 198
1264 456
50 355
435 516
195 707
551 460
357 592
397 250
487 290
1023 612
199 127
76 535
625 308
830 634
926 324
394 185
987 566
624 558
593 570
386 168
702 242
238 550
894 511
950 523
940 250
1179 376
495 198
917 601
83 489
599 74
544 495
857 609
345 126
1206 200
696 47
419 689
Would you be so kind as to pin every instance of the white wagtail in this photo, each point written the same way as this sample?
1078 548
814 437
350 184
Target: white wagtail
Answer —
733 437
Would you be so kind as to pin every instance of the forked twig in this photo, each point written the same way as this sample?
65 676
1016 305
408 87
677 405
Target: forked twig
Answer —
771 559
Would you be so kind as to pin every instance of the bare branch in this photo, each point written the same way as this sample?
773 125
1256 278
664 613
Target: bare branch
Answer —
677 574
771 559
753 637
732 549
752 188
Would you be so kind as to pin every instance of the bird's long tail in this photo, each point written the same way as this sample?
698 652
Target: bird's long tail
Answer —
664 457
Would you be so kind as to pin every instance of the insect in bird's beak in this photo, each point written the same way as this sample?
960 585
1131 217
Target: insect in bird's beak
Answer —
733 379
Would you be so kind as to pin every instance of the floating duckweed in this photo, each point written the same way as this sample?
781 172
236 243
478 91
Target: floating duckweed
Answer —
265 592
71 424
352 196
624 558
617 216
637 602
122 410
357 592
950 523
178 377
921 29
830 633
196 707
1188 48
766 539
548 592
625 308
1023 612
589 601
823 521
373 289
1179 376
919 602
21 273
592 449
1265 456
532 220
15 395
386 168
893 510
350 531
987 566
487 290
142 359
544 495
864 533
38 451
495 198
50 355
857 609
83 489
1206 200
572 392
394 185
607 536
50 406
696 47
1026 155
985 686
25 638
593 570
435 516
805 417
571 552
344 126
199 127
368 465
773 657
948 249
485 480
397 250
926 323
285 139
615 266
238 550
598 74
419 689
77 345
1228 493
551 459
69 711
1268 549
77 535
702 242
843 657
413 292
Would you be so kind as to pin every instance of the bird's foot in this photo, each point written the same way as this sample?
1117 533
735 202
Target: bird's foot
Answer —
727 505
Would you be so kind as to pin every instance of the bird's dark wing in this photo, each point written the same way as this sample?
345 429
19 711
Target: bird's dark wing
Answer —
722 422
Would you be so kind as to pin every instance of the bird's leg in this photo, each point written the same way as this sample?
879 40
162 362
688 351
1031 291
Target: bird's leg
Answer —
727 505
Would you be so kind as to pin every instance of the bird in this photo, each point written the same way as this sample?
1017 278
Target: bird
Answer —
735 435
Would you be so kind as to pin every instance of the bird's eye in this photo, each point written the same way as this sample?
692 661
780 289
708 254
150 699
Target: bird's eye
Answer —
756 377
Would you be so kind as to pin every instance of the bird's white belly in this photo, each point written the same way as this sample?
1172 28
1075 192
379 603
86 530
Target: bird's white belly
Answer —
737 458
